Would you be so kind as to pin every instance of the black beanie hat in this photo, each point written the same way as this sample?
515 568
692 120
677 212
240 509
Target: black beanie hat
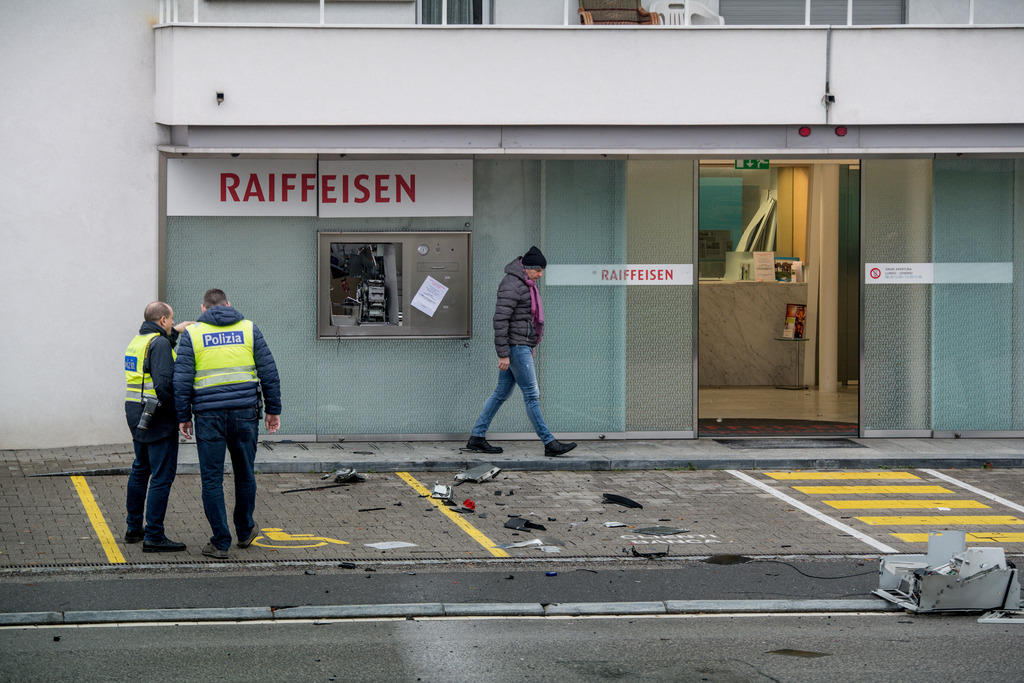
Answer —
534 259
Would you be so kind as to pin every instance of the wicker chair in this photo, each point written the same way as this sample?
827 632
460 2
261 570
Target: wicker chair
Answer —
615 12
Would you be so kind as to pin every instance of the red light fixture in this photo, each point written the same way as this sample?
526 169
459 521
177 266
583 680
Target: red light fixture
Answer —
841 131
804 131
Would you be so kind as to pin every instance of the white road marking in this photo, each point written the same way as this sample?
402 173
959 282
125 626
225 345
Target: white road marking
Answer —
975 489
814 513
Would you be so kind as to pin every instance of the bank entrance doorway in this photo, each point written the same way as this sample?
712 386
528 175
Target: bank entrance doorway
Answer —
778 273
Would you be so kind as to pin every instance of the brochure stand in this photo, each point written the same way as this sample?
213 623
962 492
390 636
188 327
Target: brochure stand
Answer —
798 348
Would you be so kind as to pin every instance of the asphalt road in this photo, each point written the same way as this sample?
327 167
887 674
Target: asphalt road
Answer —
889 647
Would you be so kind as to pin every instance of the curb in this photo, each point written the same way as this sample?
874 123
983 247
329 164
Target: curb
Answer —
437 609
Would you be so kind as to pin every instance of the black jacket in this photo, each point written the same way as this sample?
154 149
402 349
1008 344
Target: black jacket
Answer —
513 321
229 396
160 364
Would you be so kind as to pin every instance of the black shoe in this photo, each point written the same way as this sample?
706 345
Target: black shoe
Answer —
555 448
164 546
133 536
478 444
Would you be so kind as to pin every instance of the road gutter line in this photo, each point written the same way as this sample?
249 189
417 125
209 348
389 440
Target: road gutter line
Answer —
878 545
106 538
975 489
459 521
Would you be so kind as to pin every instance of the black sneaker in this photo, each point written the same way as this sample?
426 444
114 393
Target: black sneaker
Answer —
133 536
478 444
164 546
555 448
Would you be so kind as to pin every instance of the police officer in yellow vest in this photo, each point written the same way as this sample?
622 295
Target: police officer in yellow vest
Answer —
149 409
223 375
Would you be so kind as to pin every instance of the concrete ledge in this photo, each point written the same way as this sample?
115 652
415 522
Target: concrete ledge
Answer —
575 609
31 618
188 614
412 609
776 606
493 609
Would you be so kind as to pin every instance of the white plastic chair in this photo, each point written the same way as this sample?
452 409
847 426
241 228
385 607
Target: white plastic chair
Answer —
685 13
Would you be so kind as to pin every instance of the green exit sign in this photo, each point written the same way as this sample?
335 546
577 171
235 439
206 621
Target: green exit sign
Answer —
751 164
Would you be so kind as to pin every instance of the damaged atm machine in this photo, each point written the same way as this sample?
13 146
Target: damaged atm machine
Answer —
952 578
394 284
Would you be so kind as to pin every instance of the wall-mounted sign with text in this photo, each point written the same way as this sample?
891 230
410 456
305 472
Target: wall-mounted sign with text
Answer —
296 187
618 274
937 273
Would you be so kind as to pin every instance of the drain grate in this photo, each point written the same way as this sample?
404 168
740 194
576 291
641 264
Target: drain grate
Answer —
764 444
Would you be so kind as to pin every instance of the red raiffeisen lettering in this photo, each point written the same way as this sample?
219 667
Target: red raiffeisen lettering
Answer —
381 188
638 274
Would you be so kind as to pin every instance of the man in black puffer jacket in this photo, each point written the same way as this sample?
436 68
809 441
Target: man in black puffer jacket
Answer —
223 362
518 328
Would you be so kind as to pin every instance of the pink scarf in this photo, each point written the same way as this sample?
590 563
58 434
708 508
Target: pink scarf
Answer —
536 308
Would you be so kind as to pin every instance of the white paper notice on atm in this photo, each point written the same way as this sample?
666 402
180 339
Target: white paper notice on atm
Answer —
428 298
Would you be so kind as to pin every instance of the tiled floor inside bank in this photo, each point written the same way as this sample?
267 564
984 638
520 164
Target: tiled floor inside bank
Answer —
758 411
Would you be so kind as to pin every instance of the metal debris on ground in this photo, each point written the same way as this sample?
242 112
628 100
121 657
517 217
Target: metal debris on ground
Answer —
650 551
621 500
520 524
344 476
390 545
477 474
521 544
370 509
443 492
661 531
950 577
612 525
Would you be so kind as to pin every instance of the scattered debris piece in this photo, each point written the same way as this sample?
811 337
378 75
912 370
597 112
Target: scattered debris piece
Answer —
551 548
310 572
612 525
797 653
477 474
482 515
370 509
552 519
521 544
661 531
443 492
389 545
520 524
653 550
592 571
621 500
510 493
550 573
314 488
347 565
344 475
498 492
364 452
469 504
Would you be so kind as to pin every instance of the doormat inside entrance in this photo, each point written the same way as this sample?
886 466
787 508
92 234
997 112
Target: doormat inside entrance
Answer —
768 427
758 444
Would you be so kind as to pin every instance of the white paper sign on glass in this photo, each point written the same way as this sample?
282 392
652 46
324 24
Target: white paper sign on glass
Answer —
938 273
567 274
396 188
429 296
241 187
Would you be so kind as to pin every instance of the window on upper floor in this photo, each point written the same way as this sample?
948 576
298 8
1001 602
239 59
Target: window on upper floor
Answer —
793 12
459 11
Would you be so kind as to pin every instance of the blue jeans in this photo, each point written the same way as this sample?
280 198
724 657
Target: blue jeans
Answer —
154 468
238 431
520 371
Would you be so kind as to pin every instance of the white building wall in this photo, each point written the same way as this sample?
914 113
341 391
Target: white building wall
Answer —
78 187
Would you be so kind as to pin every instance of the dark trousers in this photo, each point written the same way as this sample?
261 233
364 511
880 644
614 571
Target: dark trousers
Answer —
154 468
237 431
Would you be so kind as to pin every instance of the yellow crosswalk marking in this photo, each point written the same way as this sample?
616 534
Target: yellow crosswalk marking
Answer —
919 488
944 520
841 475
894 504
973 537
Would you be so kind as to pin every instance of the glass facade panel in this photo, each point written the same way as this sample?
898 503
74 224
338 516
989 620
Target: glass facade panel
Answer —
896 318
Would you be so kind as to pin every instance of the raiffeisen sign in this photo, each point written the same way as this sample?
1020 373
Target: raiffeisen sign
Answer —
332 189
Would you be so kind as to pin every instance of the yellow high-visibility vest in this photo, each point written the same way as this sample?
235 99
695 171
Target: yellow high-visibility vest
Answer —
134 363
223 354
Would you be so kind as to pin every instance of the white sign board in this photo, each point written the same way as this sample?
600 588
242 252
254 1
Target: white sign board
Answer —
898 273
938 273
396 188
241 187
618 274
296 187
